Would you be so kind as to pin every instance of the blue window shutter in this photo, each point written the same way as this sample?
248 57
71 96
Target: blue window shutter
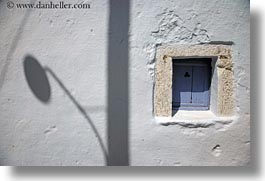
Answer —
182 85
191 84
200 89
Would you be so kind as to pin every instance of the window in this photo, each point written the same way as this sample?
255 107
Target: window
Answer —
191 84
194 77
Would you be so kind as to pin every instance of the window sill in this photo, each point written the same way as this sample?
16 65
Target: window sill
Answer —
194 119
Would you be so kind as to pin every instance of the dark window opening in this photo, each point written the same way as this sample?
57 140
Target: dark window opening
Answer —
191 84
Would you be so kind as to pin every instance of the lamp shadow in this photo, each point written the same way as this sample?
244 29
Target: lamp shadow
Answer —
37 79
117 81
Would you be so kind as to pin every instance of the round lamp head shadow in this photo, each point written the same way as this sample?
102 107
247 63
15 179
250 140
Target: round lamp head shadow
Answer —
37 79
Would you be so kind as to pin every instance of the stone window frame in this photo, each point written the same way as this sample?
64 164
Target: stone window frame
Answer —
221 98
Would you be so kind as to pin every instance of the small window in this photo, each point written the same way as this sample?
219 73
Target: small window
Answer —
191 84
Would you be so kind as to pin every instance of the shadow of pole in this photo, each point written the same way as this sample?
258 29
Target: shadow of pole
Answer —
81 109
13 46
118 92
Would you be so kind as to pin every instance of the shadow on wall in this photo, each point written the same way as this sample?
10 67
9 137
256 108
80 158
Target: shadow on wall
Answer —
39 84
14 44
118 93
37 79
256 87
118 77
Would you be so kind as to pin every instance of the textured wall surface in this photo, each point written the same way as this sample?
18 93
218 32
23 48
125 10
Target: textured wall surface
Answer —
72 47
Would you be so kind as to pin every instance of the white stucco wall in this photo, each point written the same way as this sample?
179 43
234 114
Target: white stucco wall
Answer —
74 45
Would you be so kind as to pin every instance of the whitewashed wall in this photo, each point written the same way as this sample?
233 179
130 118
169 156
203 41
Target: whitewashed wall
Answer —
74 45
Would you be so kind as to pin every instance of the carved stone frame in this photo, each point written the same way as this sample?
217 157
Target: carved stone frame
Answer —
224 97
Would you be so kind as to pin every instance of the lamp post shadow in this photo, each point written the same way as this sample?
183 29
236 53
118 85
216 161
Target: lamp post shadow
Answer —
117 153
37 79
118 77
